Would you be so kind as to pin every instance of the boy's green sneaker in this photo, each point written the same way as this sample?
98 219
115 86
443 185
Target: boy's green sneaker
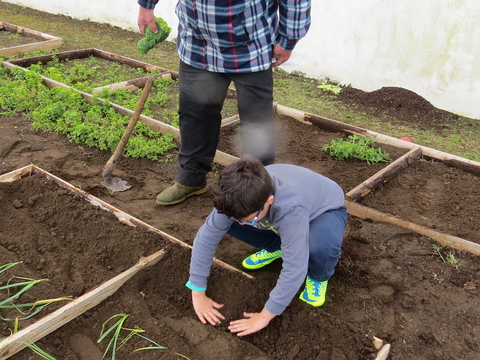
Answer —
176 193
260 259
314 292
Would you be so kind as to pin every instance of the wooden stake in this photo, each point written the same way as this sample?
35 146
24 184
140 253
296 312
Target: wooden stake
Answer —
48 42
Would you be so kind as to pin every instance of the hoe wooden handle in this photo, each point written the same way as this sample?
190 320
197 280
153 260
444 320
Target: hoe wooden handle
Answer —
112 162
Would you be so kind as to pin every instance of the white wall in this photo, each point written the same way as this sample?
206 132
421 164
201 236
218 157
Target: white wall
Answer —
430 47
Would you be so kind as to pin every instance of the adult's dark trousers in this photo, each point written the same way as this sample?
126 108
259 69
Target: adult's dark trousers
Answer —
202 94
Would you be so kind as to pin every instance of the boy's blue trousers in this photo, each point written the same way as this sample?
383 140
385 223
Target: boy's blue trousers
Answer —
325 239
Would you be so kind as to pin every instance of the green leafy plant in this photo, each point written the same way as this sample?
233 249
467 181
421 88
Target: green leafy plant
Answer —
151 39
115 330
359 147
448 257
64 110
330 88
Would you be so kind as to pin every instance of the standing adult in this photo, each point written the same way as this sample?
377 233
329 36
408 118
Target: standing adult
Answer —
220 42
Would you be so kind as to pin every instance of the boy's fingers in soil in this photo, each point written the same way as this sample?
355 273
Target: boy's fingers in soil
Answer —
212 317
217 305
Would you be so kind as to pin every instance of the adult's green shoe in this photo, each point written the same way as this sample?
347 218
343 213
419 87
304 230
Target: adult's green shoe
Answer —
176 193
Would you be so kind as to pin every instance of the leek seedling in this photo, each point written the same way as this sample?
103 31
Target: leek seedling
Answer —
32 346
24 285
36 349
115 329
35 309
5 267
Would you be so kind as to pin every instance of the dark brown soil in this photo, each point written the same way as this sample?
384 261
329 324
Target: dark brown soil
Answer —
390 283
399 104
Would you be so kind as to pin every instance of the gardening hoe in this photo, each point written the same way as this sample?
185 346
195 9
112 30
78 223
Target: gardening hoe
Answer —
116 184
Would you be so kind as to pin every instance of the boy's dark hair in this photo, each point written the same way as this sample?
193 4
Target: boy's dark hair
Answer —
243 188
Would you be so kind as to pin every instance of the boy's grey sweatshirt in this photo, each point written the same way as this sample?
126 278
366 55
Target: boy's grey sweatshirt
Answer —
300 195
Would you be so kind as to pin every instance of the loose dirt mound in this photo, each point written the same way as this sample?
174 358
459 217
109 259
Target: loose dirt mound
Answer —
399 104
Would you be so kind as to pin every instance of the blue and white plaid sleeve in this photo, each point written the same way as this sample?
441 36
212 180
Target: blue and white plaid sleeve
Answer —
294 22
147 4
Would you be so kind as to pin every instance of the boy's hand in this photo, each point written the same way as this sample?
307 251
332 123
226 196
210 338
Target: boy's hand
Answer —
253 323
206 308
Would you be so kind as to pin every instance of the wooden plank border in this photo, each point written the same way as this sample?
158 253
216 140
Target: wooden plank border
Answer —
18 341
48 42
154 124
454 242
327 124
384 175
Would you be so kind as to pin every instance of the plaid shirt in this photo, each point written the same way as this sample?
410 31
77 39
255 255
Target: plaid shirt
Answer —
237 35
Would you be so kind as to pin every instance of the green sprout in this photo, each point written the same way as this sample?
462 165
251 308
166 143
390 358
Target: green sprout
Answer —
114 345
37 350
24 284
359 147
448 258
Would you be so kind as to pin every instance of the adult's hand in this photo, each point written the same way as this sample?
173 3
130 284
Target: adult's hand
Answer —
252 323
146 18
280 56
206 308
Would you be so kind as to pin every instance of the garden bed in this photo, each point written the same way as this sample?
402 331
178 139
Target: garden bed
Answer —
116 78
302 144
55 247
16 40
447 198
390 283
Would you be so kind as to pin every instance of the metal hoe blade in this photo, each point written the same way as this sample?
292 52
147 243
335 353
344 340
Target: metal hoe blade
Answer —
115 184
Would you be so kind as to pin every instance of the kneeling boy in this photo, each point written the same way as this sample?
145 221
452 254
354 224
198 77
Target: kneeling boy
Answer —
289 212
